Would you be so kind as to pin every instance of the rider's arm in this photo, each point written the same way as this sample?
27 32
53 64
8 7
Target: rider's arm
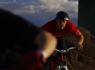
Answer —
79 44
76 32
80 38
47 43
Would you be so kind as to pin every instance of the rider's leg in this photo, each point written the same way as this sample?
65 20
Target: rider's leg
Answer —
63 43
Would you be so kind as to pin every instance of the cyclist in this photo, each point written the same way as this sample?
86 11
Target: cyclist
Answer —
60 26
23 46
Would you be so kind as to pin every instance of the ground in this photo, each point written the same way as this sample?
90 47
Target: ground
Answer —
85 59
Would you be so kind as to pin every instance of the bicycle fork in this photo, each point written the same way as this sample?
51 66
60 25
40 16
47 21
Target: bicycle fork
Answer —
62 57
60 60
51 65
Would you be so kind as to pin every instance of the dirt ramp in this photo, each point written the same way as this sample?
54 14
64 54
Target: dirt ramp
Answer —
85 59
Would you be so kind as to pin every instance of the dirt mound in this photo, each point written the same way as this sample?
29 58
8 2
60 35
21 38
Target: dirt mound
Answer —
85 59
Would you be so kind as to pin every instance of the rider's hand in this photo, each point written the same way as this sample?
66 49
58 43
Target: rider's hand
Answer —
32 61
79 46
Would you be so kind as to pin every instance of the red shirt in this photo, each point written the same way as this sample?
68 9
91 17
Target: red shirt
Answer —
69 28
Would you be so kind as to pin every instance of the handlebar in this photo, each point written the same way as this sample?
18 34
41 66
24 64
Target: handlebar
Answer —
63 51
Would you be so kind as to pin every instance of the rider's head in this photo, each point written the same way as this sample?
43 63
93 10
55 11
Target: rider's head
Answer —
61 19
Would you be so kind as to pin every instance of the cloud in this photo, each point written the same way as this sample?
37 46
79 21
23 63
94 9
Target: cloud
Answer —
17 7
73 0
41 11
40 6
14 0
70 7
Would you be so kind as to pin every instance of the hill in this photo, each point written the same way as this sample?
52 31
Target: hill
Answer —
85 59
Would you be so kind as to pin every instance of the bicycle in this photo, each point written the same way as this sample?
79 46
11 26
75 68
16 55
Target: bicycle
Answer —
59 64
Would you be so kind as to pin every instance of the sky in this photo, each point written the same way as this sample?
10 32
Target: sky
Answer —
41 11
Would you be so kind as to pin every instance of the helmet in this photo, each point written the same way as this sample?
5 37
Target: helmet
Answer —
62 15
